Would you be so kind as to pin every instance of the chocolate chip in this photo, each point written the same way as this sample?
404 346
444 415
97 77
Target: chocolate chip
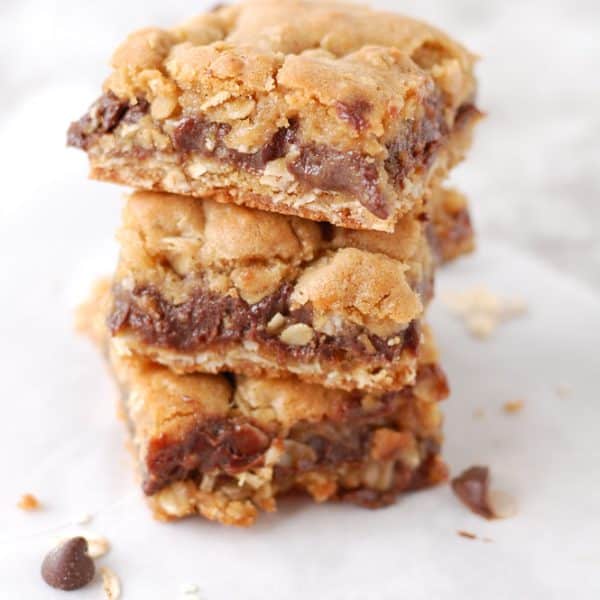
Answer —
219 443
319 166
248 440
102 117
417 143
196 134
68 566
354 113
472 488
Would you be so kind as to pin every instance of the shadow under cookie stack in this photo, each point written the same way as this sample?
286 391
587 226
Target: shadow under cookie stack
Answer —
265 323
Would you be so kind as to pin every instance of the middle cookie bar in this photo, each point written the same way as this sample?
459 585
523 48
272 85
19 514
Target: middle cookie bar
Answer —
210 287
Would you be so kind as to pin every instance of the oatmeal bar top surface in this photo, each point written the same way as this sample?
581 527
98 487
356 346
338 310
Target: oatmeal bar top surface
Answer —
175 243
257 64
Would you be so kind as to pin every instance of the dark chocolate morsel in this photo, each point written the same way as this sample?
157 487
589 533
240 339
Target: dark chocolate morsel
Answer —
472 487
68 566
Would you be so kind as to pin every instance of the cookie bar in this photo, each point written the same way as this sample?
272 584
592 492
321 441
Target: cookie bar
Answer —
208 286
324 110
227 447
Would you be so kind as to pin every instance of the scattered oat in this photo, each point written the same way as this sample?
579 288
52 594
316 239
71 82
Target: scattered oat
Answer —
28 502
84 519
97 546
482 311
190 591
110 584
513 406
502 505
298 334
276 323
467 534
472 536
563 390
478 413
472 487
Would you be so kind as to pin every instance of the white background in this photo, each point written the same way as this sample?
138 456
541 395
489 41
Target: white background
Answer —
534 181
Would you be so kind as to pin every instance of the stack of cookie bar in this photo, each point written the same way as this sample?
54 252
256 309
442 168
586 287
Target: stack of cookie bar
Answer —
266 319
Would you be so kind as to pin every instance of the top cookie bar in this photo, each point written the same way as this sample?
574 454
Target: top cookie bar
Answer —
325 110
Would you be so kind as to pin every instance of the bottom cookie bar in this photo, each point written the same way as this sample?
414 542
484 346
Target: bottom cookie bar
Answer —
226 447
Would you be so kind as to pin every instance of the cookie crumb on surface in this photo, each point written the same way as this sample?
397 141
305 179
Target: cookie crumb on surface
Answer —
110 584
28 502
97 546
467 534
563 390
482 311
84 519
513 406
502 505
478 413
190 591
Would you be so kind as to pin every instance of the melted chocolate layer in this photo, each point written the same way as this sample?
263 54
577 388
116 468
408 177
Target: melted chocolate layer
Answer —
317 165
328 169
417 144
234 444
207 318
103 117
230 445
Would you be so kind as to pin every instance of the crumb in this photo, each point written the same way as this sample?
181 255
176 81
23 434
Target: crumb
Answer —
478 413
467 534
513 406
28 502
110 584
482 311
563 390
502 505
97 546
190 591
83 519
472 536
120 413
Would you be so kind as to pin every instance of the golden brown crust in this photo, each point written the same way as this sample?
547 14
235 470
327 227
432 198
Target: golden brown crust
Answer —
288 55
171 240
341 76
361 287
